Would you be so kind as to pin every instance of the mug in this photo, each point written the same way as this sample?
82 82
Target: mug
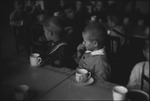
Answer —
119 93
82 75
21 92
35 59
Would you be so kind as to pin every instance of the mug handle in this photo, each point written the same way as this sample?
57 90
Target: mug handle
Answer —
39 60
89 75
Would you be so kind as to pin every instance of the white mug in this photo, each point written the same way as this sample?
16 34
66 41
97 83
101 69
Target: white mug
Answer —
82 75
35 59
21 92
119 93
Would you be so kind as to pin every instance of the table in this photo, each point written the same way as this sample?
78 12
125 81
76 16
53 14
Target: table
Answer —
39 79
68 90
57 84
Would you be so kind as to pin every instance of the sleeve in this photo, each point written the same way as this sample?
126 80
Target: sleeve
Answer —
77 58
80 52
135 76
102 69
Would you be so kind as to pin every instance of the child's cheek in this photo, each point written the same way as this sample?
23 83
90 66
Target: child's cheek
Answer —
87 46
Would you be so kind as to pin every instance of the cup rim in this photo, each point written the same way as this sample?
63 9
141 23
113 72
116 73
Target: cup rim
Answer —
81 71
120 89
35 54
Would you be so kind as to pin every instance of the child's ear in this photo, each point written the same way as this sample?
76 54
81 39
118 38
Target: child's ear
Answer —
95 43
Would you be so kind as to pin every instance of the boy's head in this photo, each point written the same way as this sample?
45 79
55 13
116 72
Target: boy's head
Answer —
79 5
94 36
114 20
18 5
53 28
69 10
146 50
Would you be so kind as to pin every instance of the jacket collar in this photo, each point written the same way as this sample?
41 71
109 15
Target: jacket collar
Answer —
97 52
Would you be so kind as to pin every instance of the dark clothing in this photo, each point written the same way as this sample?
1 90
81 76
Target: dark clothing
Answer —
75 37
58 55
16 23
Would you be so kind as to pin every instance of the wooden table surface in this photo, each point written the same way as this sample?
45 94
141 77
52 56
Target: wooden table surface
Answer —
68 90
52 83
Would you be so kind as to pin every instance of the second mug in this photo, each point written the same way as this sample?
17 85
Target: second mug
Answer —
35 59
82 75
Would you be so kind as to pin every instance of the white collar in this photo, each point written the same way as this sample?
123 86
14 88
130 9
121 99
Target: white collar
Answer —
97 52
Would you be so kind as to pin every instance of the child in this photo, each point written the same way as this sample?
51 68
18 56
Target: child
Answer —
16 23
135 80
116 27
58 54
91 54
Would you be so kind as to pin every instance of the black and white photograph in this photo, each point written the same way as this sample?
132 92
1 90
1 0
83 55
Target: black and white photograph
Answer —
74 50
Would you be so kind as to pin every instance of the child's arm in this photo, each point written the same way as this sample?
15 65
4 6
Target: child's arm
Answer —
80 51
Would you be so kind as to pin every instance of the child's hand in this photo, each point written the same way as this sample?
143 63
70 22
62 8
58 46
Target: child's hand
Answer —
80 49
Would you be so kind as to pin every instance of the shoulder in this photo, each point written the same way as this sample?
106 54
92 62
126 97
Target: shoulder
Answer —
138 66
101 60
100 57
59 47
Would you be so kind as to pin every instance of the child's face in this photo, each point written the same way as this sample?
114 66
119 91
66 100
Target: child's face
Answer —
70 13
78 4
48 34
110 23
88 44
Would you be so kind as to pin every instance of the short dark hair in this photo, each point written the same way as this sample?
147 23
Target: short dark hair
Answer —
97 32
58 22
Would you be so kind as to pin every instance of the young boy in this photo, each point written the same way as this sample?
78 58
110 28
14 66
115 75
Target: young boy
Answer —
91 54
58 54
116 27
140 69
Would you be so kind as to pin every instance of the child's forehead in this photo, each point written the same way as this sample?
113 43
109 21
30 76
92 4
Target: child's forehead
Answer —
89 32
86 35
51 25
